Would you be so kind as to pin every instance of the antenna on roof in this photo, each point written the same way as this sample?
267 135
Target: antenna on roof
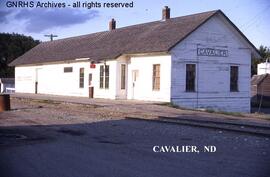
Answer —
51 36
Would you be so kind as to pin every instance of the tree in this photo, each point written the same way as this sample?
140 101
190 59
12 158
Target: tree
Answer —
12 46
265 53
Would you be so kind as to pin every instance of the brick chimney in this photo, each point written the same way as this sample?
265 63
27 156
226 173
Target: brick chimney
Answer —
112 25
166 13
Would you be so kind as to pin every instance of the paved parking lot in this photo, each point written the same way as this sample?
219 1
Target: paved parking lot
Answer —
123 148
40 138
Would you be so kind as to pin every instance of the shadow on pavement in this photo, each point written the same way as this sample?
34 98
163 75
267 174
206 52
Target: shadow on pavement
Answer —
124 148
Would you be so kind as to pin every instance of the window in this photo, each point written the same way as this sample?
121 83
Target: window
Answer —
123 76
107 74
104 76
81 77
68 69
234 79
156 77
101 76
190 77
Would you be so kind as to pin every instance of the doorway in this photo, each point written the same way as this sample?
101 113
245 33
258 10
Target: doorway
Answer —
37 80
91 88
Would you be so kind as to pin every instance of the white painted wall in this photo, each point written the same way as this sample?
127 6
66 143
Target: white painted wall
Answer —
105 93
25 79
263 68
52 79
213 73
143 86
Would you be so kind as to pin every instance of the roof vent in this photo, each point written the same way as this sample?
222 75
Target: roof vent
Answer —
166 13
112 25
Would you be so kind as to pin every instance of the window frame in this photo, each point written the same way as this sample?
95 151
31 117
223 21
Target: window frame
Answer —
104 76
81 78
190 87
234 82
156 77
68 69
107 77
101 76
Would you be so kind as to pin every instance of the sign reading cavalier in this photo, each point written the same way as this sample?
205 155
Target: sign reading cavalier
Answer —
212 52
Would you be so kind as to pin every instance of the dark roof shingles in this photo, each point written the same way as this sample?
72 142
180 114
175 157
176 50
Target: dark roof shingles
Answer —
158 36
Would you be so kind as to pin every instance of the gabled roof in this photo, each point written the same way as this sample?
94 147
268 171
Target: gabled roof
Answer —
258 79
157 36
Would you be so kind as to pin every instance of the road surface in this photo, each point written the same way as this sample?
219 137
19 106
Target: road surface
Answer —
124 148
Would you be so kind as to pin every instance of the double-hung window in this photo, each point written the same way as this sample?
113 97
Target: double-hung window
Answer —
156 77
234 78
104 76
190 77
81 77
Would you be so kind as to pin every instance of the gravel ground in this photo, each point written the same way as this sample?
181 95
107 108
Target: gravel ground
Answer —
46 112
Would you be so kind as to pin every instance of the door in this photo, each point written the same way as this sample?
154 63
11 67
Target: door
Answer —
37 79
135 76
91 88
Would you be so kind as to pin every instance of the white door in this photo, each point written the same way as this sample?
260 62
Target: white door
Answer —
135 76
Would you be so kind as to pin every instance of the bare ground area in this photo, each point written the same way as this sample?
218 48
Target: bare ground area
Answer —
47 112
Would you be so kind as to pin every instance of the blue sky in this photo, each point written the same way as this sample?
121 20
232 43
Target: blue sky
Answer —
252 17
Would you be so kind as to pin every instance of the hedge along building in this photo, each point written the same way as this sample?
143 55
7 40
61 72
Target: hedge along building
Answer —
195 61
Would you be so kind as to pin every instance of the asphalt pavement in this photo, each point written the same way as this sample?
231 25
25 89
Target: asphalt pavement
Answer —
124 148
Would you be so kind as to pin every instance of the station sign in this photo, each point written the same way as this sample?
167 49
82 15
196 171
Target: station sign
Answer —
212 52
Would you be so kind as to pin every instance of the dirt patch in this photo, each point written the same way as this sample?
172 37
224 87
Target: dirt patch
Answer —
48 112
47 102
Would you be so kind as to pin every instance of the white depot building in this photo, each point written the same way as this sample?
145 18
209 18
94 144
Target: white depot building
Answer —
195 61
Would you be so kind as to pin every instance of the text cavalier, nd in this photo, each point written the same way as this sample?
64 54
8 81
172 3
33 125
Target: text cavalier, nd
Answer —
183 149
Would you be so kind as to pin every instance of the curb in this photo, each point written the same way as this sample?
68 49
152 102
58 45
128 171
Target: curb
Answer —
227 122
253 130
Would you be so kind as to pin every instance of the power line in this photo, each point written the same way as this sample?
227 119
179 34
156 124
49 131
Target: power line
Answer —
51 36
254 19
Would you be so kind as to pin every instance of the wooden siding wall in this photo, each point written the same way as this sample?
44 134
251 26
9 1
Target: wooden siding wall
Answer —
213 73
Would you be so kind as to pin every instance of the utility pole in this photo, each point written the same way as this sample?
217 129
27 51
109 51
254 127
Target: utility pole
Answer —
51 36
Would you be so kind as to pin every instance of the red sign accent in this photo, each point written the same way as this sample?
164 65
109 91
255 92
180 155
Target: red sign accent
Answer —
92 66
